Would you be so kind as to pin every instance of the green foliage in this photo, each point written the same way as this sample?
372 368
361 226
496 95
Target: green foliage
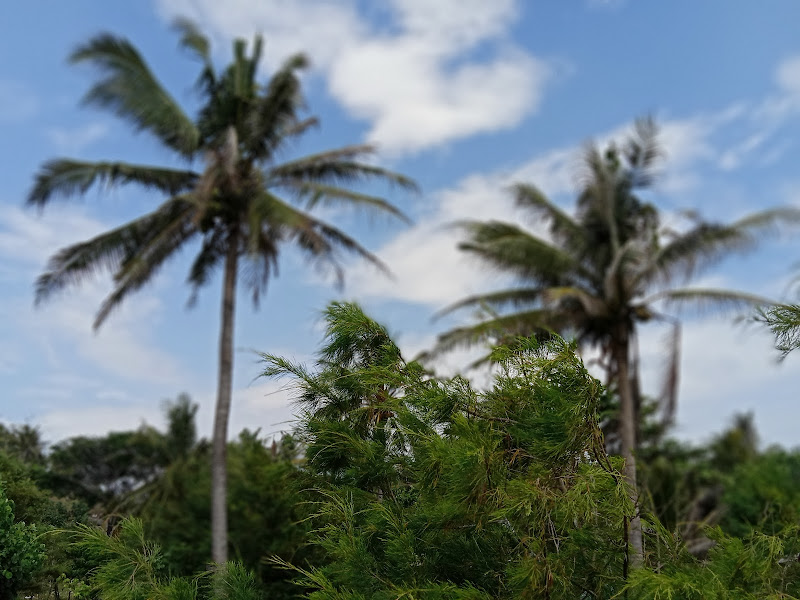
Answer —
763 494
758 566
132 567
263 486
101 469
427 487
25 485
21 553
23 443
784 322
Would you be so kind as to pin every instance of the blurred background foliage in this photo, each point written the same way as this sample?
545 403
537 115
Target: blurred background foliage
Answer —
396 483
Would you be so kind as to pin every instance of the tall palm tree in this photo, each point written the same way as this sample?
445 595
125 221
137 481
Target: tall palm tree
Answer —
235 198
602 271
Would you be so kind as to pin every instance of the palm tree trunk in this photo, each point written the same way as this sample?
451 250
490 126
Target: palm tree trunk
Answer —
219 466
627 434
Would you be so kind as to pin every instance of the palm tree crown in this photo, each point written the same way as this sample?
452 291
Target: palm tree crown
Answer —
242 205
600 272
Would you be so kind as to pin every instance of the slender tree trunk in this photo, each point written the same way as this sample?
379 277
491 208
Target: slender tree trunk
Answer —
219 466
627 434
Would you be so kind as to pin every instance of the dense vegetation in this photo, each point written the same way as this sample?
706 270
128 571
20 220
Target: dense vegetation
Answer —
396 482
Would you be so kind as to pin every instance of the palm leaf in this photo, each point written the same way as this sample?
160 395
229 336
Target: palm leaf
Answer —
706 243
335 166
332 195
111 251
513 250
495 300
274 116
73 264
561 224
315 237
707 299
192 39
339 239
212 252
129 88
163 232
68 177
642 150
591 305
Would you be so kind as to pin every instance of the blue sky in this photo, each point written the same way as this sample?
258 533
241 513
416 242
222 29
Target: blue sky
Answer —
466 96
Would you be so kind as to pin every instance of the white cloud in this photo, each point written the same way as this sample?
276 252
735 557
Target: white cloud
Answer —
414 100
95 420
73 140
605 4
767 119
123 347
787 75
269 406
724 370
786 101
404 70
17 101
28 239
735 157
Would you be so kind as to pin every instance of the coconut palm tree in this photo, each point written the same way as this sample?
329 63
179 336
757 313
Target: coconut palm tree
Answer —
234 197
599 273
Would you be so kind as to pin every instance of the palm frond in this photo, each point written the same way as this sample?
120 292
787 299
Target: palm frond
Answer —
274 117
641 151
68 177
193 40
318 239
111 251
513 250
561 224
332 195
768 221
128 87
669 388
697 249
300 127
339 239
495 300
259 267
707 299
703 245
212 252
591 305
74 264
163 233
336 166
263 239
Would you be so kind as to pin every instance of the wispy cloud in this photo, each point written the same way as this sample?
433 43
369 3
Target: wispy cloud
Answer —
605 4
18 102
60 335
73 140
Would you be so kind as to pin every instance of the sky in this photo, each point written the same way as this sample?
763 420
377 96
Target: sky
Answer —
465 96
